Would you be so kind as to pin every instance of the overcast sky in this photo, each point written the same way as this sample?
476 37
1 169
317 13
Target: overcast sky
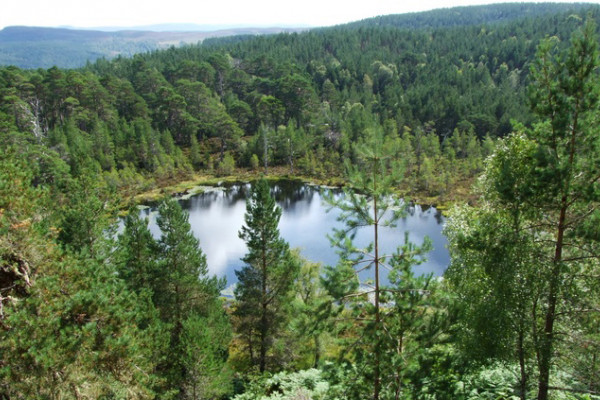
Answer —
104 13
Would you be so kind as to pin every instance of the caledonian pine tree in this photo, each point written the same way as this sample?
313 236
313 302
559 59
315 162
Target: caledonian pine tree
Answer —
188 302
263 294
370 203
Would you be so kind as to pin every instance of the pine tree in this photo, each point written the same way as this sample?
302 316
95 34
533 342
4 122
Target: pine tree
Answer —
264 283
88 209
565 94
184 295
195 154
369 201
137 253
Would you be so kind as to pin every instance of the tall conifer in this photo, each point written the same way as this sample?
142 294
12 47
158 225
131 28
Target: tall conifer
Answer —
266 280
369 202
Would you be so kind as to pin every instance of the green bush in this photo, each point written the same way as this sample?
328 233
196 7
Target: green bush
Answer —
301 385
226 166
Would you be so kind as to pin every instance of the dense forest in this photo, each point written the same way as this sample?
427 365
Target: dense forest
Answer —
494 108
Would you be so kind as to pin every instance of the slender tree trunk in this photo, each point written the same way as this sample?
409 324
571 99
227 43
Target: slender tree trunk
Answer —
523 380
545 358
266 152
593 383
263 317
377 315
251 346
222 153
291 156
263 339
317 350
547 342
399 372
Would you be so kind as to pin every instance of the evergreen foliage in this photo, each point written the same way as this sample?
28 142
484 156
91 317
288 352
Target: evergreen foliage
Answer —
369 202
155 117
188 303
265 282
86 312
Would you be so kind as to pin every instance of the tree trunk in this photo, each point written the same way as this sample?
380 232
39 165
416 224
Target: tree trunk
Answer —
263 339
523 380
266 152
291 156
399 372
593 383
263 317
317 350
376 373
222 153
251 346
547 342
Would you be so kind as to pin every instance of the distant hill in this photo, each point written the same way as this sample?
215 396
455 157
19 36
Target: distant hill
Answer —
36 47
185 28
470 15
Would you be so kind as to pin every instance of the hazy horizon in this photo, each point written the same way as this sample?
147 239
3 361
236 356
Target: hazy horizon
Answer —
112 15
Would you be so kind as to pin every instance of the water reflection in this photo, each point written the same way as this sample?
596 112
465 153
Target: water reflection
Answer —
217 215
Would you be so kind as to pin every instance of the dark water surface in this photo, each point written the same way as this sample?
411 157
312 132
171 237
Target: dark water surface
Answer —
217 215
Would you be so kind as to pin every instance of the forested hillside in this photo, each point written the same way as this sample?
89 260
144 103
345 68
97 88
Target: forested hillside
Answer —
507 102
468 16
37 47
292 99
